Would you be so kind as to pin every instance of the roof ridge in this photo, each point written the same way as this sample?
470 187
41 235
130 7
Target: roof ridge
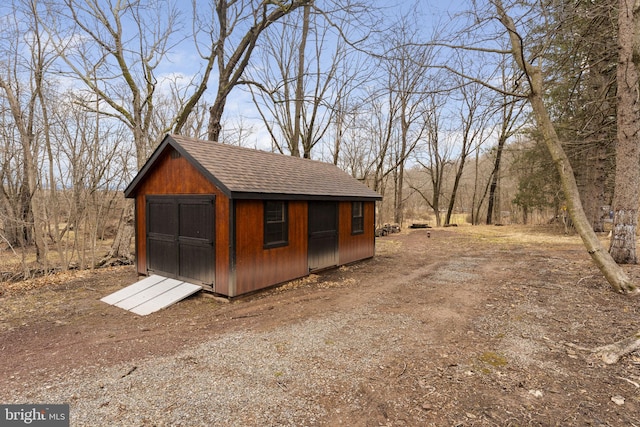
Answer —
247 149
253 173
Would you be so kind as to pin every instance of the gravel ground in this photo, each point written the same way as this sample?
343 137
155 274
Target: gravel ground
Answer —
274 377
466 328
277 377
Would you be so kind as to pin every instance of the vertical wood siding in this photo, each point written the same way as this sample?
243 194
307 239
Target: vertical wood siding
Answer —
177 176
354 247
256 267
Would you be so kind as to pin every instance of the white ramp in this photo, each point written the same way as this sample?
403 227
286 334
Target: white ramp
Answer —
151 294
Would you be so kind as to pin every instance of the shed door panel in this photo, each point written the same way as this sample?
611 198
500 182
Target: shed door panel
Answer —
323 235
162 220
196 239
181 236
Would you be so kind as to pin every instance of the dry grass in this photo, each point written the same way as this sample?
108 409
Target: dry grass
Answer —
543 235
524 234
15 262
387 246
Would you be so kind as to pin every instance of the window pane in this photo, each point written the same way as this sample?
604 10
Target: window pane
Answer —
275 223
275 212
357 209
357 218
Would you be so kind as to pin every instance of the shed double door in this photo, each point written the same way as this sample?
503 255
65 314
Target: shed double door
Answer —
181 237
323 235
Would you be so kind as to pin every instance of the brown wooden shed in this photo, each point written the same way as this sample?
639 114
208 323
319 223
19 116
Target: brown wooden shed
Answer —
236 220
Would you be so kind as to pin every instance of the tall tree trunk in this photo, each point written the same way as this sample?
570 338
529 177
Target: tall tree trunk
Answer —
11 227
454 191
299 97
337 143
495 173
436 210
625 199
594 185
399 202
231 64
35 202
616 277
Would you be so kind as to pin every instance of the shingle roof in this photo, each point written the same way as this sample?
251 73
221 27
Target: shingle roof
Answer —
245 172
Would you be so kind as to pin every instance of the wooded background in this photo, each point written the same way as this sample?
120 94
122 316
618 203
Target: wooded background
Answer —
425 105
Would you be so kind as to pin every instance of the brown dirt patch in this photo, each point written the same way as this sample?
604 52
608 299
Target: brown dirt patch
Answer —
481 319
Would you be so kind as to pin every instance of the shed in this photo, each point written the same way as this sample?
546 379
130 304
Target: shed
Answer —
236 220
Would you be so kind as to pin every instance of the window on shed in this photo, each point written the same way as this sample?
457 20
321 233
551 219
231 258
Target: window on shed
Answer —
357 218
276 224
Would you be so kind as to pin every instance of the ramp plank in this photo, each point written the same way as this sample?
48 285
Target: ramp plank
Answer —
147 294
151 294
166 299
131 290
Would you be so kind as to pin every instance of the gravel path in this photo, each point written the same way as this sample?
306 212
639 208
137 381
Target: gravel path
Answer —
448 330
276 377
321 370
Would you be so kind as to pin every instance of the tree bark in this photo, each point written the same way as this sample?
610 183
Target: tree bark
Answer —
215 117
32 215
230 71
495 174
616 277
120 251
454 191
299 101
611 353
35 202
626 192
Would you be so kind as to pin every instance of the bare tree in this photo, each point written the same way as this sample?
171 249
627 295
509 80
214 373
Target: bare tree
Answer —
90 165
383 112
511 109
616 277
434 159
230 39
114 49
355 153
474 115
343 118
295 87
407 64
494 176
22 84
299 94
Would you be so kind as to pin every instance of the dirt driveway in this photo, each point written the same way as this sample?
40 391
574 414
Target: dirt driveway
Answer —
467 327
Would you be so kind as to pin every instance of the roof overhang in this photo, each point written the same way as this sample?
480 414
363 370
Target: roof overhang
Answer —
168 141
288 196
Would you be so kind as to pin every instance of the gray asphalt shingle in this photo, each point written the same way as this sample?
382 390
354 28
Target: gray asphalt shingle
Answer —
245 170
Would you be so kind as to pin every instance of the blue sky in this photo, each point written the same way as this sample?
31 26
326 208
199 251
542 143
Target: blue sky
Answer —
429 14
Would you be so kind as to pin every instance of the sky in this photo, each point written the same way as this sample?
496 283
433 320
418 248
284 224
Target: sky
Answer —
240 107
184 61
